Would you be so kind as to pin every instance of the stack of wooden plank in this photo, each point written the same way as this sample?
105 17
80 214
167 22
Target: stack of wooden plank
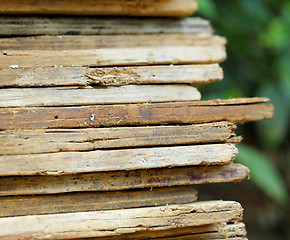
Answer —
102 131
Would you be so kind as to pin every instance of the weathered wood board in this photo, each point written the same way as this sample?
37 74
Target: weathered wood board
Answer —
120 180
115 160
64 140
94 201
89 95
114 56
191 74
210 231
194 75
16 26
85 42
175 8
115 222
234 110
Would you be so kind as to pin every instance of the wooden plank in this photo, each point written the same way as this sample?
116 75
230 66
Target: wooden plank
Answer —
194 75
114 57
176 8
114 160
94 201
210 231
168 233
16 26
191 74
239 110
85 42
75 96
64 140
115 222
120 180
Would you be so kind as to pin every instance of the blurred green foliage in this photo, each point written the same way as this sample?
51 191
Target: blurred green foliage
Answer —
258 64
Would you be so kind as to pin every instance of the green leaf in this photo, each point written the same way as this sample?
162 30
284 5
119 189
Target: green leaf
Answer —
207 8
276 35
263 173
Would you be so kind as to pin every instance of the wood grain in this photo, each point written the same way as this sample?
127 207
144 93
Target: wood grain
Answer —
120 180
114 56
114 160
94 201
64 140
194 75
210 231
16 26
176 8
75 96
115 222
85 42
236 110
191 74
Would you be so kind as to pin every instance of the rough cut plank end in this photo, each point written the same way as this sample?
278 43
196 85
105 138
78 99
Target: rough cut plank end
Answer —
115 222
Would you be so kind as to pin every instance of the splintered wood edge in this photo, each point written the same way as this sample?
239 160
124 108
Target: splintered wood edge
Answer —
92 224
217 231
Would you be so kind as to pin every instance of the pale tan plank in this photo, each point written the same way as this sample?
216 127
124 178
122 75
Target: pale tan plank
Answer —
114 222
94 201
217 231
63 140
114 160
176 8
114 57
233 231
105 26
194 75
75 96
234 110
169 233
120 180
85 42
191 74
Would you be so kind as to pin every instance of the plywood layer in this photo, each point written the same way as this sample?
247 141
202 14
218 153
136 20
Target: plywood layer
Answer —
85 42
234 110
217 231
114 56
114 222
15 26
114 160
94 201
194 75
75 96
176 8
120 180
65 140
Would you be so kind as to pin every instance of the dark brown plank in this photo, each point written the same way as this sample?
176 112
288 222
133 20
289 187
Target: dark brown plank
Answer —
239 110
94 201
120 180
